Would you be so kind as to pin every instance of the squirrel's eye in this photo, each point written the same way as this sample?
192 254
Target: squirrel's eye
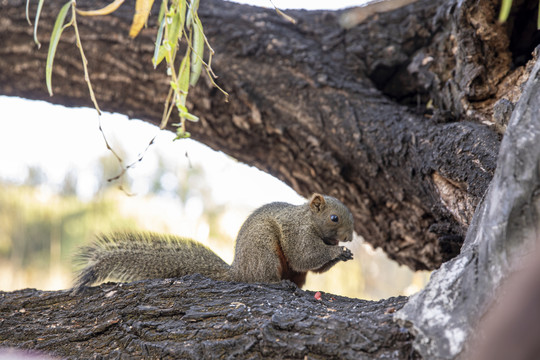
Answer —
334 218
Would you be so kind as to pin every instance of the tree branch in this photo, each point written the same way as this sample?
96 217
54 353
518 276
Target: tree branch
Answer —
503 234
197 318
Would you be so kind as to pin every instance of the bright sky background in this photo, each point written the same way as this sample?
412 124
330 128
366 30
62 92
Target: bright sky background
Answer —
60 139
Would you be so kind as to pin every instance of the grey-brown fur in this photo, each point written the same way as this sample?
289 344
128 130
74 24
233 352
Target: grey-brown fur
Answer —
277 241
133 256
299 230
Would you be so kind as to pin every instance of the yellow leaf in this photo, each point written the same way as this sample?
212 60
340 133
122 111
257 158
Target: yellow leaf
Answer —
103 11
283 15
142 11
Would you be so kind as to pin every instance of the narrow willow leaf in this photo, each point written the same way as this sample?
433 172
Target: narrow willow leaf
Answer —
28 12
158 49
162 11
182 11
283 15
207 45
112 7
198 52
142 11
181 133
181 109
38 13
189 116
183 76
506 5
184 114
55 37
175 29
193 7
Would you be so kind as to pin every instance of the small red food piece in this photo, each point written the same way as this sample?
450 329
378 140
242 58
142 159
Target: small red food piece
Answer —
317 295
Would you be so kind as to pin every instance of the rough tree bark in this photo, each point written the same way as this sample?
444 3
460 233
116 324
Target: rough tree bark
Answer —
197 318
331 110
504 232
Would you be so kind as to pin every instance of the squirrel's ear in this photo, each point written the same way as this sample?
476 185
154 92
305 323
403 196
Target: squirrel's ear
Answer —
317 203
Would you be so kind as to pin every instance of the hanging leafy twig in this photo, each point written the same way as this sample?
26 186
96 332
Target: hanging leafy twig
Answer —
178 21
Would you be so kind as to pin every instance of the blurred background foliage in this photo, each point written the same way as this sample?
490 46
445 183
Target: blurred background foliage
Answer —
55 198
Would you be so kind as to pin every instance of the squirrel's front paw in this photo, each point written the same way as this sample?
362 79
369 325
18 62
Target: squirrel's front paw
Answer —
346 254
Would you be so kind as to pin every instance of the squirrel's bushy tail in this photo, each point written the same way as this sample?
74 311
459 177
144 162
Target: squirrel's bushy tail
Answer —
135 256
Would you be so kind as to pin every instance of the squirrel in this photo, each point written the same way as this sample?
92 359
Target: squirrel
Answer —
278 241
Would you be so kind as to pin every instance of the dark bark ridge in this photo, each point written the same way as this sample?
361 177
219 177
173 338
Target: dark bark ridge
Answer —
198 318
341 105
504 232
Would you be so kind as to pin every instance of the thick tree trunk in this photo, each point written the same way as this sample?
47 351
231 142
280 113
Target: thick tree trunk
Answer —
197 318
504 232
325 109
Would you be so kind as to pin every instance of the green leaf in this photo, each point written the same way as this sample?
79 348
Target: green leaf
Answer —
538 19
175 29
38 13
183 75
189 116
181 134
162 10
55 37
184 113
198 52
193 7
28 12
158 51
181 109
506 5
181 10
